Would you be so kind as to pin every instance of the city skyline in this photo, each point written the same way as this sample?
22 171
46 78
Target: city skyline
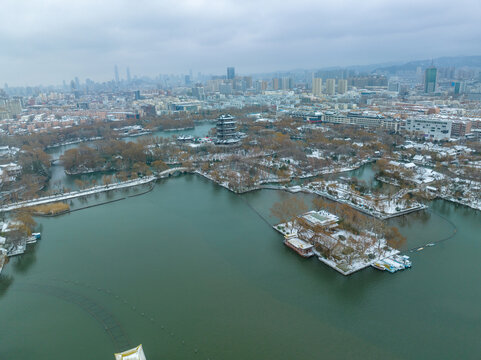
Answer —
48 43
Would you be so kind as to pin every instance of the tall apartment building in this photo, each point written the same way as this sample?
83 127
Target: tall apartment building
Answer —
275 84
317 86
341 86
287 83
261 85
225 89
330 86
10 108
116 74
198 92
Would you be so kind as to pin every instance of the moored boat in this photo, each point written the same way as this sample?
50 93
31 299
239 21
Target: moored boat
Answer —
378 265
33 238
301 247
402 259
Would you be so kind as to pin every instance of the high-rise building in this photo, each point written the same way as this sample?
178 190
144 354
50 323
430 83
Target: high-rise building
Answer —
10 108
287 83
275 84
261 85
230 73
341 86
459 87
248 81
316 86
430 76
116 72
198 92
330 86
393 86
225 89
128 75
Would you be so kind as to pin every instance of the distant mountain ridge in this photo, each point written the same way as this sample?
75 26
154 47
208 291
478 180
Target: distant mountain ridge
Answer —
390 67
446 61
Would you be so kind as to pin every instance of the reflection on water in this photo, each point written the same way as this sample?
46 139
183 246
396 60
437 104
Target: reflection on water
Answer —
24 262
5 282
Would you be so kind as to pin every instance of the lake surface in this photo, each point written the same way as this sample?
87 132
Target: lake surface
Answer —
200 130
191 271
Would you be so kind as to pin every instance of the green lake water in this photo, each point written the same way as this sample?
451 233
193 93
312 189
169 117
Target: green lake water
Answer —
191 271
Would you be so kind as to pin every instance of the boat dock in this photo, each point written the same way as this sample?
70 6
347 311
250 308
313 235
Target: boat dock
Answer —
393 263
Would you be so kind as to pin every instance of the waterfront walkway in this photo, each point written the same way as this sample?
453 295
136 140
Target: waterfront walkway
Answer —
90 191
76 194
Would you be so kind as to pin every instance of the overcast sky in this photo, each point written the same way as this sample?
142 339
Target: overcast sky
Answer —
47 41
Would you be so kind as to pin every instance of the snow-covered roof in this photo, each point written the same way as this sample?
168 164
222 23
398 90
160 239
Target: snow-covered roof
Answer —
299 244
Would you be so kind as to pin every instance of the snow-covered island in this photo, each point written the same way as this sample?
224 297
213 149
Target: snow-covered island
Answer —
318 233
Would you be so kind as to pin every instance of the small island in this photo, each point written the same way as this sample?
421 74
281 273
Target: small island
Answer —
347 242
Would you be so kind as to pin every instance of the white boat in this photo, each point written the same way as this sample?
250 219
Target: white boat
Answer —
378 265
136 353
33 238
402 259
392 265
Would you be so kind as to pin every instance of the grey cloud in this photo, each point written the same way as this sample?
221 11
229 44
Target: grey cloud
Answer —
48 41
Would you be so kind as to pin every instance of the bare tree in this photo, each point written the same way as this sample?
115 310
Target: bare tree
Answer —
288 209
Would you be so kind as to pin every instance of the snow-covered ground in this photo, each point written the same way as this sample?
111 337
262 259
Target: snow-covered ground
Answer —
380 206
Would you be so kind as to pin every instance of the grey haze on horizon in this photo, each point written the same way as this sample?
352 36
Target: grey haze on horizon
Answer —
49 41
